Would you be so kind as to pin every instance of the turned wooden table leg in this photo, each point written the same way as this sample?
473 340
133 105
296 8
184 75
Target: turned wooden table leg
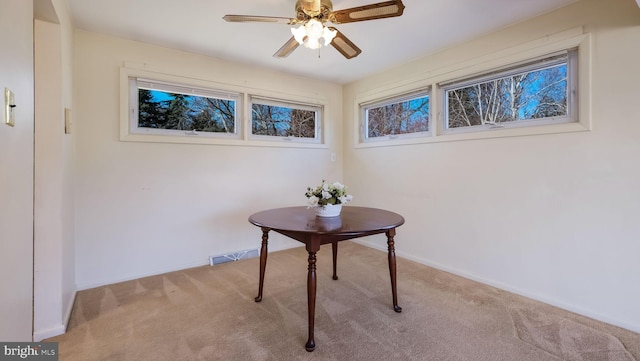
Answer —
392 268
311 300
334 249
263 261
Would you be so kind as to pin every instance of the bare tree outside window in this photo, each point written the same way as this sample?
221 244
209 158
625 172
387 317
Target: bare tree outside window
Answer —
159 109
533 94
401 115
283 121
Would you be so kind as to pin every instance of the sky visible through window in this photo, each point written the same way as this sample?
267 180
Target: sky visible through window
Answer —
402 117
540 84
282 121
160 96
159 109
529 95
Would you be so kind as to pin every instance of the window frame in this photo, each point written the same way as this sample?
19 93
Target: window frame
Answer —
263 100
531 65
396 99
574 38
163 86
243 138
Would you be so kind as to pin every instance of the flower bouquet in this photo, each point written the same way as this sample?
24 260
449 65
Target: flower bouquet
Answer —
328 198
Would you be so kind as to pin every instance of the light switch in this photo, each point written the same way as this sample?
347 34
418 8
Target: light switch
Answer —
67 121
9 105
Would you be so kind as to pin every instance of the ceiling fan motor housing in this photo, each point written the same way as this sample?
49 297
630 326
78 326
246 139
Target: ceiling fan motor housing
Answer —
310 9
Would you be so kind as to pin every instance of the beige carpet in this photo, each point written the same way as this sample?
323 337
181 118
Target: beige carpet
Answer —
208 313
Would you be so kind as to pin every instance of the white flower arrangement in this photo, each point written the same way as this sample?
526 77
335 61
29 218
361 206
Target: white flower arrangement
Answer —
327 193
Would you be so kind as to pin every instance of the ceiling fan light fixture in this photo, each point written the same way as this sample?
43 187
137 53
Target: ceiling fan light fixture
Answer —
311 32
328 35
308 27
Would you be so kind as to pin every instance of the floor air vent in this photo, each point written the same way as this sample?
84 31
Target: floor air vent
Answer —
231 257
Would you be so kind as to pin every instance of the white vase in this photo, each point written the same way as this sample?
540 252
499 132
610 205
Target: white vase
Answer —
329 210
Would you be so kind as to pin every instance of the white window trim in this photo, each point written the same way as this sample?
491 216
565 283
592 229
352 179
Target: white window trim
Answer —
318 109
566 40
138 83
389 92
572 83
243 138
399 98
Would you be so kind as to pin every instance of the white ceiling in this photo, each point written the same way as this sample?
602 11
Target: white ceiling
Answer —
196 26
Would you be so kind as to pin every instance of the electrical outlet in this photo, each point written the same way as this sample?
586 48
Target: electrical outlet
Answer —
9 105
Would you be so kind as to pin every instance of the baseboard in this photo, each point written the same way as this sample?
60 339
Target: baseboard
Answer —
69 311
58 329
508 288
180 267
130 277
52 332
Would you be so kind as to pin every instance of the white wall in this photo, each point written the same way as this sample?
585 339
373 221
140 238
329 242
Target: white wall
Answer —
16 172
147 208
553 217
54 271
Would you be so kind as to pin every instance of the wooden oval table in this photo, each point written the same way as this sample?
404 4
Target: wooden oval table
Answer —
303 225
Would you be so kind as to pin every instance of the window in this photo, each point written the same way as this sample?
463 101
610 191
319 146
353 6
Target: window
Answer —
276 119
537 92
171 109
397 116
538 87
159 107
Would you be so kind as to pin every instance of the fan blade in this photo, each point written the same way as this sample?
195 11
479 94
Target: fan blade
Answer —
287 48
387 9
259 19
344 45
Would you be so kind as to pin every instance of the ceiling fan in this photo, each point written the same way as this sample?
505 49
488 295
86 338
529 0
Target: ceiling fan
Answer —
311 15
